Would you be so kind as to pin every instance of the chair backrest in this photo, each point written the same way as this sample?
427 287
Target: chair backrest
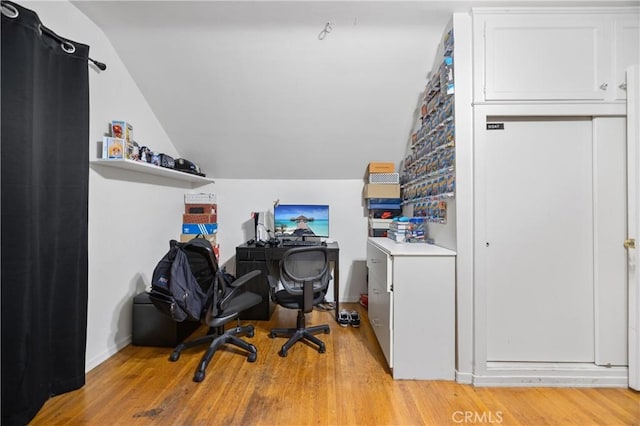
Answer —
305 271
204 268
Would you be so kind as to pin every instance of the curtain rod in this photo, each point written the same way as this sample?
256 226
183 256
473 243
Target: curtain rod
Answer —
10 11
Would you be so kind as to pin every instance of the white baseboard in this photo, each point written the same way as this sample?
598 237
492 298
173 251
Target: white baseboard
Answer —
464 378
551 375
92 363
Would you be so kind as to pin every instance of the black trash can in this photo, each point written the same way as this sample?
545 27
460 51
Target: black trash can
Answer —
153 328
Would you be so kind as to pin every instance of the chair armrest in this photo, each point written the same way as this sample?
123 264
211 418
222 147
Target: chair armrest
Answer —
235 288
245 278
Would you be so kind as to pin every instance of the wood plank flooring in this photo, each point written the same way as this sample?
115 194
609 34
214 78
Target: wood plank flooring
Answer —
348 385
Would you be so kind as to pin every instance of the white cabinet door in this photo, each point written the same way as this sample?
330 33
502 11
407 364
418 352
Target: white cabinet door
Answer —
424 317
626 50
543 56
380 309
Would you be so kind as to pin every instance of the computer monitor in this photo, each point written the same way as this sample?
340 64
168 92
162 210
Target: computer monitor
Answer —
301 220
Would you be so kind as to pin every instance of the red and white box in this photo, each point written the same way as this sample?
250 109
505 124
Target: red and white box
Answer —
199 218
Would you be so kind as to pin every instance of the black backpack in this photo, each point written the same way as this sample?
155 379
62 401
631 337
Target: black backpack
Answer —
178 291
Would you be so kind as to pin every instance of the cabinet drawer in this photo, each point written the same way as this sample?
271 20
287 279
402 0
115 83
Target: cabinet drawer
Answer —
379 264
249 254
380 317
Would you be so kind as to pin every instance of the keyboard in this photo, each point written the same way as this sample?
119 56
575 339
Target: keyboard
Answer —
297 243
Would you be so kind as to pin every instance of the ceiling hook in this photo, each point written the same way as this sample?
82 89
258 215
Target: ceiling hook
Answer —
328 27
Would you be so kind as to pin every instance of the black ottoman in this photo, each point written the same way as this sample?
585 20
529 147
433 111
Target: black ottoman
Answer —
153 328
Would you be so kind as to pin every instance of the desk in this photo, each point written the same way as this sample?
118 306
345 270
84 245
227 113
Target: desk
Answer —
250 257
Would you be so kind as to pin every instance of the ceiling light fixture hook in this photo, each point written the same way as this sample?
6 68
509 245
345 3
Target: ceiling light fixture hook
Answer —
328 27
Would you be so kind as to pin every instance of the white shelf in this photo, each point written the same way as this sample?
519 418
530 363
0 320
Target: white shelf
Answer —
150 169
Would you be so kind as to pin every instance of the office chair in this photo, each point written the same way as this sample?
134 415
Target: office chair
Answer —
304 274
226 305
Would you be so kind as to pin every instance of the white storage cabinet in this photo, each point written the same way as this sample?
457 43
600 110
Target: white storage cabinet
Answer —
412 307
554 54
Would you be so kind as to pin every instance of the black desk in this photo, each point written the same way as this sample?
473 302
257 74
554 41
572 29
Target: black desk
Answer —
250 257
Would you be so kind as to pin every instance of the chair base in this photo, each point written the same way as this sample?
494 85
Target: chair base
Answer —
217 337
300 333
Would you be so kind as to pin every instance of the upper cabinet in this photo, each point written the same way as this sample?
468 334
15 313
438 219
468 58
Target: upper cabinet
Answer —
553 54
626 42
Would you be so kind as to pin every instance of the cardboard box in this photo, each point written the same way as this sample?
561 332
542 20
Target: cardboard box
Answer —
201 208
201 198
212 238
199 218
385 178
199 228
113 148
378 232
381 190
379 223
122 130
378 167
384 204
116 148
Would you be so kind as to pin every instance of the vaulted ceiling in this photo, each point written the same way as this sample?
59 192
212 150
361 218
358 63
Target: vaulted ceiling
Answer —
264 89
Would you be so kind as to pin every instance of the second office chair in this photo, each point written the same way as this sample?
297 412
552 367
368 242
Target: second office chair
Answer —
304 273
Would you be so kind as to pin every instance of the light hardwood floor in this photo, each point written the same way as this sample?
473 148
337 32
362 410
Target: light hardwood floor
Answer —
348 385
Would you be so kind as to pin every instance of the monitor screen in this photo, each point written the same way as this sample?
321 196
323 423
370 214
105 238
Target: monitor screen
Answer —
301 220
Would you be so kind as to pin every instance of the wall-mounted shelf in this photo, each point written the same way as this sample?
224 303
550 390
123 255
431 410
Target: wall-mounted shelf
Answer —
150 169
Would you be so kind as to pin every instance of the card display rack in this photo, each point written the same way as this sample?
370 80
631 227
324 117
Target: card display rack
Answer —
427 174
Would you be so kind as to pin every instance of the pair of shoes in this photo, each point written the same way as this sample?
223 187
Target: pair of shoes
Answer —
346 318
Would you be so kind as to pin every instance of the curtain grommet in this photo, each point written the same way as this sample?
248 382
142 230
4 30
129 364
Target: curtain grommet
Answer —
9 10
67 47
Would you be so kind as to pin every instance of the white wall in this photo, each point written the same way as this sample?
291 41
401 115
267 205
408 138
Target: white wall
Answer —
237 198
249 90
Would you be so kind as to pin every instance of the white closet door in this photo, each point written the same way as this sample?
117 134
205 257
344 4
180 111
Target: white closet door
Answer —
610 226
539 248
633 188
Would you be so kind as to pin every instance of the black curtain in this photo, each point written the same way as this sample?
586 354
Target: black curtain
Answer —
45 172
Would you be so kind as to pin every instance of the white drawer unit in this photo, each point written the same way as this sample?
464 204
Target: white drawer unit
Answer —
412 307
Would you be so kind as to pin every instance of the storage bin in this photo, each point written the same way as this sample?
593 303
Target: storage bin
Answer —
153 328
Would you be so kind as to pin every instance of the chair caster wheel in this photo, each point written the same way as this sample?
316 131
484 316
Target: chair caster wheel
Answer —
322 349
250 333
282 353
252 357
198 377
327 331
272 335
174 356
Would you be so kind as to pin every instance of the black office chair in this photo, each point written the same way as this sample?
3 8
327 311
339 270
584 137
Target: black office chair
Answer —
229 301
304 274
